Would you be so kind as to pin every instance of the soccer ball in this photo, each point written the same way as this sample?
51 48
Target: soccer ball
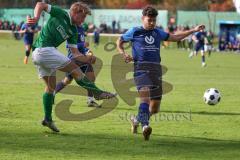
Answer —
212 96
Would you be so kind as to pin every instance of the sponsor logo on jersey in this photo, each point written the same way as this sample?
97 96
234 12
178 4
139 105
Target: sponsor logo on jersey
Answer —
62 31
149 40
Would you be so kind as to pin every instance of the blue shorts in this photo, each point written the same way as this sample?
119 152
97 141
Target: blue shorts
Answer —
28 41
149 75
199 47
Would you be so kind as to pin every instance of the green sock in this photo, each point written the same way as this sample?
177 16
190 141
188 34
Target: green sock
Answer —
87 84
47 103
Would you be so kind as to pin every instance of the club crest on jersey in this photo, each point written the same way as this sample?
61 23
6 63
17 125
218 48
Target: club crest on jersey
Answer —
149 40
82 38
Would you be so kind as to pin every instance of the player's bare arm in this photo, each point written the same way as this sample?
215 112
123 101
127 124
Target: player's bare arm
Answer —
121 50
40 6
22 31
179 36
194 38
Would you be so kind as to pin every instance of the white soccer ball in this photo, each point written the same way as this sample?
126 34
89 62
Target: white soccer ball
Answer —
212 96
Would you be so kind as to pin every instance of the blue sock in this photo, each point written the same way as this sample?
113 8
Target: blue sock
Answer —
203 59
59 87
143 114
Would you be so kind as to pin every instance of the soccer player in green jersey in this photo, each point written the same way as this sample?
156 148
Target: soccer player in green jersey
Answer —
208 43
61 26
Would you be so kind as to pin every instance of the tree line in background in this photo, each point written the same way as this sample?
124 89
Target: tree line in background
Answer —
170 5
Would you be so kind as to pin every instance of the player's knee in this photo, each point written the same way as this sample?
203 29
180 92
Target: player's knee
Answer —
91 76
76 74
92 79
50 90
144 95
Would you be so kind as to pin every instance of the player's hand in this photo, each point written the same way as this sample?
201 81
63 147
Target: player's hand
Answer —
127 58
91 59
199 27
32 21
90 53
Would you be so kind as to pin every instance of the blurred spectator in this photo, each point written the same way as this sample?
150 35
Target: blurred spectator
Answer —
103 28
96 37
6 25
114 26
1 24
222 43
119 27
172 28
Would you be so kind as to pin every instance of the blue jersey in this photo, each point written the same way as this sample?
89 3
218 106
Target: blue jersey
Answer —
80 43
28 36
146 44
200 37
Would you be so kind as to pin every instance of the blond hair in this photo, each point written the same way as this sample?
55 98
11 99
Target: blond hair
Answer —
80 7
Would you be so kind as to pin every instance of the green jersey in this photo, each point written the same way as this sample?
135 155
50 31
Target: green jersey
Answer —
59 28
209 39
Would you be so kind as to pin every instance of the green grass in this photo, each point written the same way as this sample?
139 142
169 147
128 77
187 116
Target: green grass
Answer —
209 132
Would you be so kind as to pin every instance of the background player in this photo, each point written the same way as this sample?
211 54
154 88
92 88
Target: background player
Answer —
209 43
28 30
199 39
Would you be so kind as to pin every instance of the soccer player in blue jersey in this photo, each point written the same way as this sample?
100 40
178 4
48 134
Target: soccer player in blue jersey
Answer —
199 39
86 68
28 30
146 41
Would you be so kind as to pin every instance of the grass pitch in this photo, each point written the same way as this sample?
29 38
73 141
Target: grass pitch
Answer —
186 128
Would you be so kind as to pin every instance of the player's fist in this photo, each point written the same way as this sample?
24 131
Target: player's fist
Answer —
90 53
199 27
31 21
127 58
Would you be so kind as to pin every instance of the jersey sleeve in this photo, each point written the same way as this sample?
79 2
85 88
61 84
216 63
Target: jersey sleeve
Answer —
56 11
163 35
72 41
128 36
23 27
196 34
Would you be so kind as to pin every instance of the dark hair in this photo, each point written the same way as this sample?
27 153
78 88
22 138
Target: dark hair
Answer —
149 11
